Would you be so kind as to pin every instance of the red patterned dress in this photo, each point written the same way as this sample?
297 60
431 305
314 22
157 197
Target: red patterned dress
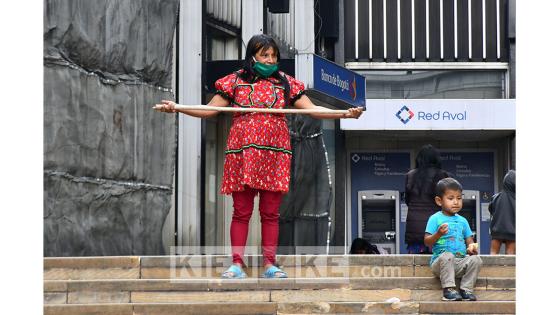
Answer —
258 150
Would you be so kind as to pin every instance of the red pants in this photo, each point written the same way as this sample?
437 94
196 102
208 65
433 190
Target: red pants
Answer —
269 204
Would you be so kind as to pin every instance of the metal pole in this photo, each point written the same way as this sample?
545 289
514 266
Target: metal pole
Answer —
256 110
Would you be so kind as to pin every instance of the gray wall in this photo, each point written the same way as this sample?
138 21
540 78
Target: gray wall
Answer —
109 159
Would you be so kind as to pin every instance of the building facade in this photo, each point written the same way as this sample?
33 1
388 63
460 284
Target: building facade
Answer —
438 72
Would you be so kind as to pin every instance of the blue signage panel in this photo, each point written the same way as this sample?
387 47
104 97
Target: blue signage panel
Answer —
474 170
339 82
376 171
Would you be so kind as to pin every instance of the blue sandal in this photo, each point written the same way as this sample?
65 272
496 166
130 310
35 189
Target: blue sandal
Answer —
234 272
274 272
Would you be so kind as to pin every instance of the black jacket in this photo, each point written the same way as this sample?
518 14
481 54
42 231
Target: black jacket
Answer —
420 202
502 210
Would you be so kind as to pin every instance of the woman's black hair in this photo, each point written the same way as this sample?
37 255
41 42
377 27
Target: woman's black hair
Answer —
428 157
255 44
360 245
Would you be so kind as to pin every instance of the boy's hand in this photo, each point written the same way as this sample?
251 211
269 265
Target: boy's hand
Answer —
443 229
472 249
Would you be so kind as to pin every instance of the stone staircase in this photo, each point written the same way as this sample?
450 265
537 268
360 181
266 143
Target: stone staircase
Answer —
317 284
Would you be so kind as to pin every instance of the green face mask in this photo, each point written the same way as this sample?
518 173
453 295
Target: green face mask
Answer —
265 70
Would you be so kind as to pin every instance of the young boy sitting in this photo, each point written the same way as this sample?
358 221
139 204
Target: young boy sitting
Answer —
448 232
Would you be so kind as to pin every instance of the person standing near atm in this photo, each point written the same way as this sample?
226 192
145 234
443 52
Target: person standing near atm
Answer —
502 217
420 184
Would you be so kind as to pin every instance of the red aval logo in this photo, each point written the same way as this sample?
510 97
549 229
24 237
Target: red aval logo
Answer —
404 114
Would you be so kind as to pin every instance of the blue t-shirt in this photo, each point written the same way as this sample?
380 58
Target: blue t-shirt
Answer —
454 240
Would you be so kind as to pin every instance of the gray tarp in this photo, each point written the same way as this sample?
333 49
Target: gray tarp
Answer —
109 159
304 213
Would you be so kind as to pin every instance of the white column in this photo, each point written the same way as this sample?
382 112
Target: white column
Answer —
484 29
498 52
399 29
304 38
251 21
385 29
413 31
189 172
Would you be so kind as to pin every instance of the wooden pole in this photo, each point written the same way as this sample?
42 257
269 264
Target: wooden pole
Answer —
256 110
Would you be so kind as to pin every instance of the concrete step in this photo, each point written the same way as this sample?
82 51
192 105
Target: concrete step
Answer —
298 266
260 284
479 307
264 290
316 284
284 296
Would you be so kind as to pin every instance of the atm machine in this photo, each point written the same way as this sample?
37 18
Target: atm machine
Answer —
378 218
471 212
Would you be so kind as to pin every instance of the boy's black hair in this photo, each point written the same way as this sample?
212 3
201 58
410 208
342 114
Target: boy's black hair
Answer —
447 183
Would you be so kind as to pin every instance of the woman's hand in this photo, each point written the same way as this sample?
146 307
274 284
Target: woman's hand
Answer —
354 112
166 107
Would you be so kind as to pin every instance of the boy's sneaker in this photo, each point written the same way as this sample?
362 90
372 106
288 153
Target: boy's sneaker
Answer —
468 295
450 294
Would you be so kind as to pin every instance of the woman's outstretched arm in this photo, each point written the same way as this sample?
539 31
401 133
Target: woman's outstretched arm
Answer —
169 107
305 103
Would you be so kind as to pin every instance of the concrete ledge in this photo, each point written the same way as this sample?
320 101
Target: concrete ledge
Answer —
373 308
207 309
485 271
55 286
186 260
468 307
90 297
500 283
254 260
358 271
107 309
259 284
413 283
92 262
216 297
482 295
91 273
138 285
339 295
55 298
234 308
487 260
187 272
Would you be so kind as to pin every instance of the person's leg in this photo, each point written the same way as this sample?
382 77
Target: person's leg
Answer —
243 202
443 267
510 247
269 205
468 268
495 247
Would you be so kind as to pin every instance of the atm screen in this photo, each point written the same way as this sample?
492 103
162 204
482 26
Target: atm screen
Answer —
469 215
378 221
